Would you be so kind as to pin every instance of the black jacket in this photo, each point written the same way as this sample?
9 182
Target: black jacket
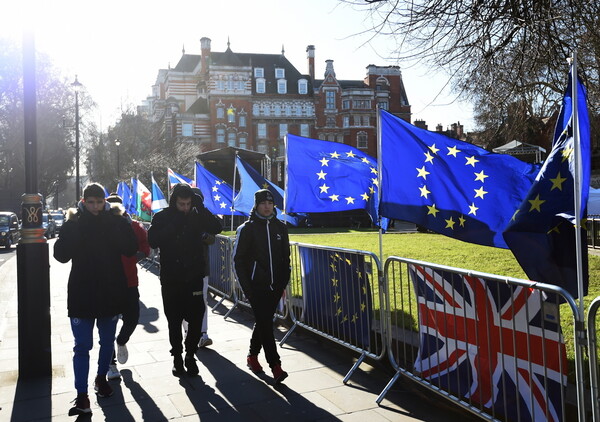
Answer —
262 255
94 244
182 242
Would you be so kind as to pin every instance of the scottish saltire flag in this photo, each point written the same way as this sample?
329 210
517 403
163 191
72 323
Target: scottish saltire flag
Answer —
498 347
175 178
143 200
327 176
251 181
158 199
336 290
541 234
448 186
124 192
217 193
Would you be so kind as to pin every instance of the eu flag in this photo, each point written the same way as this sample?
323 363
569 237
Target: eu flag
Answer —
327 176
124 192
448 186
217 193
251 181
337 294
542 232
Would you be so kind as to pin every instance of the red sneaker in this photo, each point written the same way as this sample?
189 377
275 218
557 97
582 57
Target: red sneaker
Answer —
252 362
278 374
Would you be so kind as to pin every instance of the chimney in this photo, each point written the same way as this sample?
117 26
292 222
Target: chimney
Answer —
310 54
329 68
205 52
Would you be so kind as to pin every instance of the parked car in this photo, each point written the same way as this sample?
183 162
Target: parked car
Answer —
59 219
49 225
9 229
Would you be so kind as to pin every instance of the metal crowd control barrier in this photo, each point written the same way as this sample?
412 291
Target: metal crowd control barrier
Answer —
490 344
336 293
220 279
593 231
593 356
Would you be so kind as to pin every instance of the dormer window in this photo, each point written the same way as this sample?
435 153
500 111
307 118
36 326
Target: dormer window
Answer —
302 86
279 73
259 72
282 86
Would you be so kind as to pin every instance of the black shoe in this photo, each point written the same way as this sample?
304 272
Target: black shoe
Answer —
178 365
103 389
81 405
190 364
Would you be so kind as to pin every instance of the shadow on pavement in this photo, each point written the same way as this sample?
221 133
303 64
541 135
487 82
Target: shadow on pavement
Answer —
32 399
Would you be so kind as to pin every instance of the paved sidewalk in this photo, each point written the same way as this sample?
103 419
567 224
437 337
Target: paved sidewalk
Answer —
225 390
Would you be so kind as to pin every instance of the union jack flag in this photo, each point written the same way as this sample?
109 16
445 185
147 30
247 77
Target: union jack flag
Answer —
495 346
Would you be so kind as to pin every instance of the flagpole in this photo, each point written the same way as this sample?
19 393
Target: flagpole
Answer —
233 189
379 171
577 180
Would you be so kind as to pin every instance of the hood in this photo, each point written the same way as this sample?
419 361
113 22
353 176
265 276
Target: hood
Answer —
180 189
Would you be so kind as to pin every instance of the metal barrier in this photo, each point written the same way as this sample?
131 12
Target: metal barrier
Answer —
481 340
593 356
220 279
593 231
335 293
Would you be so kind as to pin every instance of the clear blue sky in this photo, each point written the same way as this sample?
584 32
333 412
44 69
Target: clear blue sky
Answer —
117 47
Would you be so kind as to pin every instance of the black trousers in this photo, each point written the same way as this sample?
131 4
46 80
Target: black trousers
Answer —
183 301
264 304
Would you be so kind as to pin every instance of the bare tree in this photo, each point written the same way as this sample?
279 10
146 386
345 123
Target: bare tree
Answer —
496 53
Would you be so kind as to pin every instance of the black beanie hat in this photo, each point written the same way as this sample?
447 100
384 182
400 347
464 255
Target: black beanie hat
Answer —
94 189
114 198
263 195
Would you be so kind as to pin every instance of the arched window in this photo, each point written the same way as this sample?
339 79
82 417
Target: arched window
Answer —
362 140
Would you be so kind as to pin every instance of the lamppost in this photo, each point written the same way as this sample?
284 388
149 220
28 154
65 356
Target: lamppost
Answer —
77 87
118 143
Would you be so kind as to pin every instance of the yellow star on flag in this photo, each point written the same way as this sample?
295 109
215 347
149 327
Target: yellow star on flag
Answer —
453 151
334 198
480 176
428 157
349 200
365 196
557 182
324 188
566 153
461 221
473 209
536 203
350 154
423 173
334 154
471 161
432 210
321 175
324 162
479 192
434 149
450 223
424 191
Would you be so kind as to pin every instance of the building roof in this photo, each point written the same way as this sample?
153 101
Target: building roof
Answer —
200 106
187 63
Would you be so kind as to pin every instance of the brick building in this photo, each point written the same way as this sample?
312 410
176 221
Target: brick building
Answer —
251 101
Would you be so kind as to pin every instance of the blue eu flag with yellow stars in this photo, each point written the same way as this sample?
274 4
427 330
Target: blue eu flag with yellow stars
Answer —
325 176
337 296
448 186
541 234
218 195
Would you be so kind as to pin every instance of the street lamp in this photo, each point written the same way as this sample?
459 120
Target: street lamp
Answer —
77 87
118 143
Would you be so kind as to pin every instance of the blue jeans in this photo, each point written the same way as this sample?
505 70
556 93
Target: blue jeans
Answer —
83 333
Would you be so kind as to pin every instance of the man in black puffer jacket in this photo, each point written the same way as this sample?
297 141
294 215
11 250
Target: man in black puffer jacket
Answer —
179 231
262 266
94 239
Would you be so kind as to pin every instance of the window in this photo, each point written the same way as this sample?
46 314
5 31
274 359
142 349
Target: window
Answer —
330 99
346 121
221 85
288 110
260 86
261 130
345 104
384 105
366 121
255 110
277 110
282 86
302 86
220 112
330 122
259 72
283 129
262 147
362 141
356 120
230 115
242 121
279 73
231 139
364 104
305 130
243 141
340 139
187 129
220 135
230 84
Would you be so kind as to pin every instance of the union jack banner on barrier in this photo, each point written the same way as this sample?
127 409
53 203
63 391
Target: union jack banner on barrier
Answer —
495 345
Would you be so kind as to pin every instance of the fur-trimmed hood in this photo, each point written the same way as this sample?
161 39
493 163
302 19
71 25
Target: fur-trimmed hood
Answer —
113 208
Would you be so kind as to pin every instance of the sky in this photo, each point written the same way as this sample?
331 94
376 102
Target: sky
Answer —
117 47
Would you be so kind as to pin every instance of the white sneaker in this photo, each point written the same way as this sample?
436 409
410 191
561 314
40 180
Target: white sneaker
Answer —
113 373
205 341
122 353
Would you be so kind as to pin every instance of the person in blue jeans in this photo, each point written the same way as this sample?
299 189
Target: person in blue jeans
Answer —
94 239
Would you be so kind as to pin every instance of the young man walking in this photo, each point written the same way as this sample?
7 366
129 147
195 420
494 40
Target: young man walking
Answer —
262 265
93 240
178 231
